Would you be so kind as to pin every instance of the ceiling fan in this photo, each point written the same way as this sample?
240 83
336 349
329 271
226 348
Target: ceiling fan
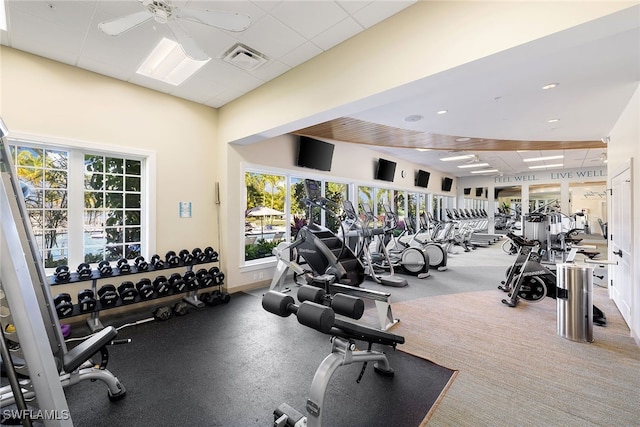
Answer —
164 12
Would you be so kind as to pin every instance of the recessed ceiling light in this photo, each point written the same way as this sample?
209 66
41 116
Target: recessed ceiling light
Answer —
454 158
443 111
539 159
463 139
473 165
485 171
550 86
413 118
553 120
423 149
556 165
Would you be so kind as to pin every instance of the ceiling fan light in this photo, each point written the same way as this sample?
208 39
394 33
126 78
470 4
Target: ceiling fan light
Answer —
168 63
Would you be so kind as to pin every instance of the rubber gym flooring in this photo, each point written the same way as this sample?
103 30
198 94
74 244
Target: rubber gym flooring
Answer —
234 364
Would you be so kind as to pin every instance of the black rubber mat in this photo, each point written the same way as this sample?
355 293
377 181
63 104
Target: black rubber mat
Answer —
234 364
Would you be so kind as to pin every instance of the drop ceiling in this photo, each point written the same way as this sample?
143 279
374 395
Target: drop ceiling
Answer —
497 102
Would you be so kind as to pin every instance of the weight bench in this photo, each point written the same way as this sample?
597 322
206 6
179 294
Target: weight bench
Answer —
77 367
343 350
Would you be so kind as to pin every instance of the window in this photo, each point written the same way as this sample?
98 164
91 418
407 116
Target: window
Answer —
264 228
112 208
107 189
43 175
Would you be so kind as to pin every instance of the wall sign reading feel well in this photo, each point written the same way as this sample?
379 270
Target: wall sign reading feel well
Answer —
554 176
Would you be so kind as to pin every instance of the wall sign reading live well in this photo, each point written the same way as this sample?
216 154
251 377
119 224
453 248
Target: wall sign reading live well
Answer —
567 175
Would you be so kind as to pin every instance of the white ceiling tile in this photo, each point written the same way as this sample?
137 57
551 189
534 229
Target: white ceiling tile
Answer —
378 11
271 37
301 54
109 69
309 18
352 6
340 32
266 5
270 70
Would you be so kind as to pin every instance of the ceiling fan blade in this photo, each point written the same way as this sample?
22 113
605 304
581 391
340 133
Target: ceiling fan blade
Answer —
187 43
121 24
231 21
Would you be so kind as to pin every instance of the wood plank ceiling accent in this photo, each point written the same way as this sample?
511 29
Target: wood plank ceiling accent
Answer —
357 131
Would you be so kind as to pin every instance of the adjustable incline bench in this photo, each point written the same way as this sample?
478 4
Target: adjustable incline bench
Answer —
312 312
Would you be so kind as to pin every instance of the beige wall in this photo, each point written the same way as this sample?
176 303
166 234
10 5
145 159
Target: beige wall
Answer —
47 99
625 145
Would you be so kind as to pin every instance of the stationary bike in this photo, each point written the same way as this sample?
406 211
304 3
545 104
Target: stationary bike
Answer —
534 281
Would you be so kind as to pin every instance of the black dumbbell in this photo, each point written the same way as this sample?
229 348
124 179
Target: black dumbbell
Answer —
211 254
105 268
62 274
204 278
63 304
172 259
123 266
161 285
145 288
162 313
107 295
210 298
198 255
141 264
217 275
186 257
128 292
225 297
157 262
177 284
84 271
180 308
190 279
86 301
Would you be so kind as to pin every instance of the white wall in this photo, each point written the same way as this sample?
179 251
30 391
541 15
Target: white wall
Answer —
625 145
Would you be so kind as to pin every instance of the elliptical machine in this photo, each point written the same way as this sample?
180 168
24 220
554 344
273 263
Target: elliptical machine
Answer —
411 260
358 237
436 253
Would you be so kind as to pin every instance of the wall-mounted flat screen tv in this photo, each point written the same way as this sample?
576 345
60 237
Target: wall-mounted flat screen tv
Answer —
386 170
447 183
314 154
422 179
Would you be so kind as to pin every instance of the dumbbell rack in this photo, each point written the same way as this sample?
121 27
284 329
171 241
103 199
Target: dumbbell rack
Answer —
94 323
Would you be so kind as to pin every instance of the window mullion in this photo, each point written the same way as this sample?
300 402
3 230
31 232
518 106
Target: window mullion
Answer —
76 207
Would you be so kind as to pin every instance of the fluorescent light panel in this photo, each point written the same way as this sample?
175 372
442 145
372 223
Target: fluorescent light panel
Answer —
454 158
539 159
473 165
168 63
556 165
485 171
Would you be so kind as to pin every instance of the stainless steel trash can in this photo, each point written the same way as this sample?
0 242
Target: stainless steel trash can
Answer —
574 284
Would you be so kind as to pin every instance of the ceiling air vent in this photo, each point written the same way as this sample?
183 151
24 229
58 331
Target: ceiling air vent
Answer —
244 57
